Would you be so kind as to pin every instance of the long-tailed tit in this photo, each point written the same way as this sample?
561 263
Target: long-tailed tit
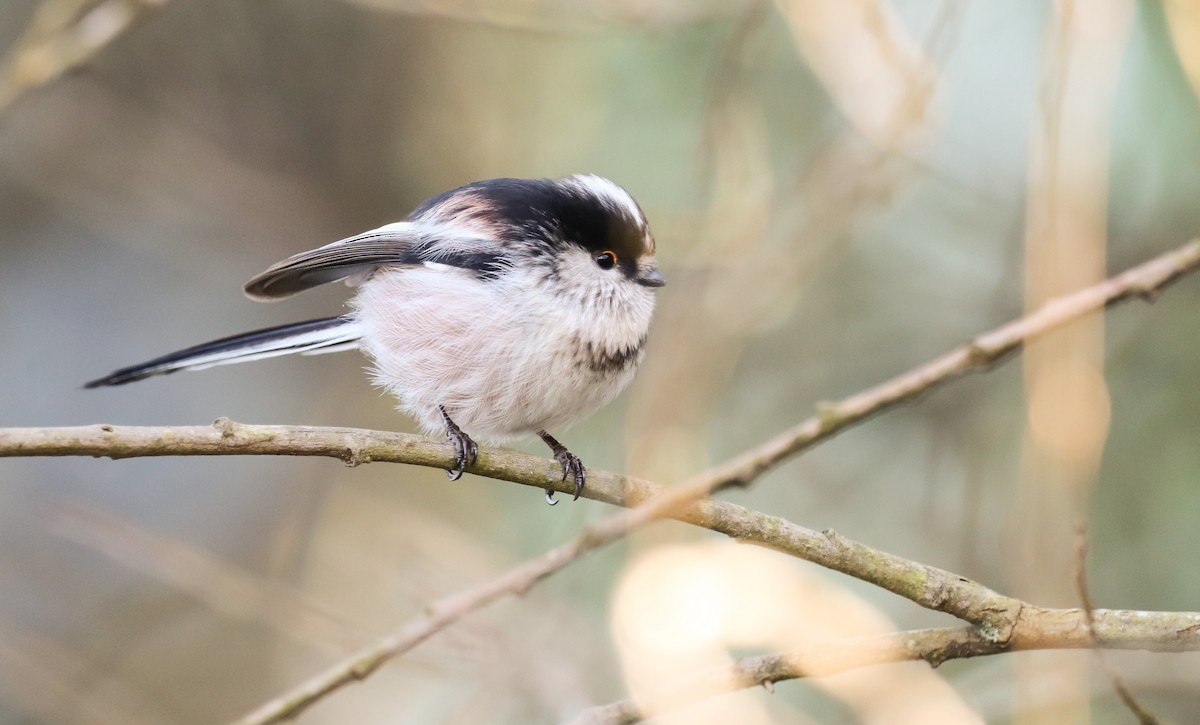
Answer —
506 307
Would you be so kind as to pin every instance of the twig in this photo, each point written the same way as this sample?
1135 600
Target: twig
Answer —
1089 611
1038 629
226 438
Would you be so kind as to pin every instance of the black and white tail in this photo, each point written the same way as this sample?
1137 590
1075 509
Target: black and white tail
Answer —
314 337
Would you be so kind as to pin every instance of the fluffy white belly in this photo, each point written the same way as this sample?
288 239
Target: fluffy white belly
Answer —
500 363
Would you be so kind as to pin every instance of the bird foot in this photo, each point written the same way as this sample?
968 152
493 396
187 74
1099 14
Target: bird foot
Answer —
465 449
571 466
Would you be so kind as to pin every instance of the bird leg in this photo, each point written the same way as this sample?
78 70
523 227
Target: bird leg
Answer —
571 465
465 450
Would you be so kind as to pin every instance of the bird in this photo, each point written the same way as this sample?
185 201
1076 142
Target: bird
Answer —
494 311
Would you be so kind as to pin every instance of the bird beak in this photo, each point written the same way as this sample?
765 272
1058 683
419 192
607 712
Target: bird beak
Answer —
650 277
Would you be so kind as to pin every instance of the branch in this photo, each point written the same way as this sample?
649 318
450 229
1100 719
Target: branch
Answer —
928 586
1037 629
996 615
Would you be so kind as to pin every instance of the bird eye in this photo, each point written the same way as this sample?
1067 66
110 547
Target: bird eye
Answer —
606 259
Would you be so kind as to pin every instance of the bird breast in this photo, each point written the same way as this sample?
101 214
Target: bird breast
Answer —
505 357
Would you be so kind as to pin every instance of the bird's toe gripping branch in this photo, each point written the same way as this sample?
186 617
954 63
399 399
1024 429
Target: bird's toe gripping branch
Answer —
571 466
466 451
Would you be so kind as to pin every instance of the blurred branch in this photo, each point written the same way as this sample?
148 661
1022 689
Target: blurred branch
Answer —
1067 399
929 587
1036 629
63 35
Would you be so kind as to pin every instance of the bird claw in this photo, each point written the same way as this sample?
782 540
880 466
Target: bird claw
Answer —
465 450
571 466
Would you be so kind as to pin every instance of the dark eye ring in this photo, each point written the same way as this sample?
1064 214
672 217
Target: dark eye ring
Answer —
606 260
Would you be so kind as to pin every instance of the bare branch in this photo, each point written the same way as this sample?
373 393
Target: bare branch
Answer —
1038 629
927 586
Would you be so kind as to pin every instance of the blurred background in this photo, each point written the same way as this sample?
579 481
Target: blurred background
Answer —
840 191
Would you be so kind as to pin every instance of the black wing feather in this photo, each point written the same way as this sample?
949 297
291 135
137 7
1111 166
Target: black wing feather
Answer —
381 248
328 264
